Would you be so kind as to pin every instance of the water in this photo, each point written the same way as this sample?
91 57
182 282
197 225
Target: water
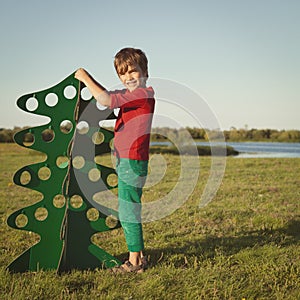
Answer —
259 149
263 149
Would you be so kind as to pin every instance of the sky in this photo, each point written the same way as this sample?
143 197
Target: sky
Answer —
242 57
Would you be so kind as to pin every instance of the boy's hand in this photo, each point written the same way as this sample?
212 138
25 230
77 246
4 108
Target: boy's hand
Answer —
81 75
94 87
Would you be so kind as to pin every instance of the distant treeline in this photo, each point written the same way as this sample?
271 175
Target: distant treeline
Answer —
166 133
232 135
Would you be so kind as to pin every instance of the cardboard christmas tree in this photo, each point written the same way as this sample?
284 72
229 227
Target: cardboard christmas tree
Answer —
70 179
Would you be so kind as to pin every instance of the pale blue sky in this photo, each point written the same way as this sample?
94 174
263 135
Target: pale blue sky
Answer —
242 56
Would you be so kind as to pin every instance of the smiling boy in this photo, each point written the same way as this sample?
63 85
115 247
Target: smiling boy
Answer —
131 143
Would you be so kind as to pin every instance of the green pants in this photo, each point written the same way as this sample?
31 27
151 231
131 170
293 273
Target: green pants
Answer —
131 179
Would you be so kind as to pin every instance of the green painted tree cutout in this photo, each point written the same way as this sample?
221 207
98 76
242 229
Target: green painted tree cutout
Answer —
66 217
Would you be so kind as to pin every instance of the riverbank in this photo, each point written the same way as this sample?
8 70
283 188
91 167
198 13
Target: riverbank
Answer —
201 150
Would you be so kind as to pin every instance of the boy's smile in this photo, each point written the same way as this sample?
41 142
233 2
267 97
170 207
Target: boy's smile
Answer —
133 78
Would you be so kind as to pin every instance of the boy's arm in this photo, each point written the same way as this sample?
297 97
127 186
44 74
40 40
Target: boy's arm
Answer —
96 89
135 99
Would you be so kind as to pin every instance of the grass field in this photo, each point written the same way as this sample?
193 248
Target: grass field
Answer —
245 244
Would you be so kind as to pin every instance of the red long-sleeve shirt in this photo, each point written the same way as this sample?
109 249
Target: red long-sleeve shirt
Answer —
133 125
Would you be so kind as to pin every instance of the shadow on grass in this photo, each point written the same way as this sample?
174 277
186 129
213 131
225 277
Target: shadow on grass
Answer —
210 246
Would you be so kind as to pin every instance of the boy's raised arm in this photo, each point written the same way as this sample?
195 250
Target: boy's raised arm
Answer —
96 89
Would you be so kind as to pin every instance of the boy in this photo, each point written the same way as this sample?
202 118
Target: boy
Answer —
131 143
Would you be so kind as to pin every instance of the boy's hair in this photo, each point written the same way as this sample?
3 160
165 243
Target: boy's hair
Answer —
131 57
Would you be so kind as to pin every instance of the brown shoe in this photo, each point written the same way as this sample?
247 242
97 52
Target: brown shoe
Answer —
128 267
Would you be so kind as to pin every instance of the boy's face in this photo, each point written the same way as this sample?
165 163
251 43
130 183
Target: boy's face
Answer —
133 78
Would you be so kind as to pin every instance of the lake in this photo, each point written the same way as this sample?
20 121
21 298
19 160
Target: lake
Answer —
265 149
258 149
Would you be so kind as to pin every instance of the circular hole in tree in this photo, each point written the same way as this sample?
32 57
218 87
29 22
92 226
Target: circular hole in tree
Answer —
100 106
66 126
21 220
25 177
48 135
111 221
51 99
70 92
44 173
92 214
32 104
41 214
116 112
106 124
28 139
94 174
62 161
59 201
86 94
76 201
78 162
106 161
112 180
111 144
83 127
98 138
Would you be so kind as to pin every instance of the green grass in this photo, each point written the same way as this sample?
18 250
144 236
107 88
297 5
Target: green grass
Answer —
245 244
